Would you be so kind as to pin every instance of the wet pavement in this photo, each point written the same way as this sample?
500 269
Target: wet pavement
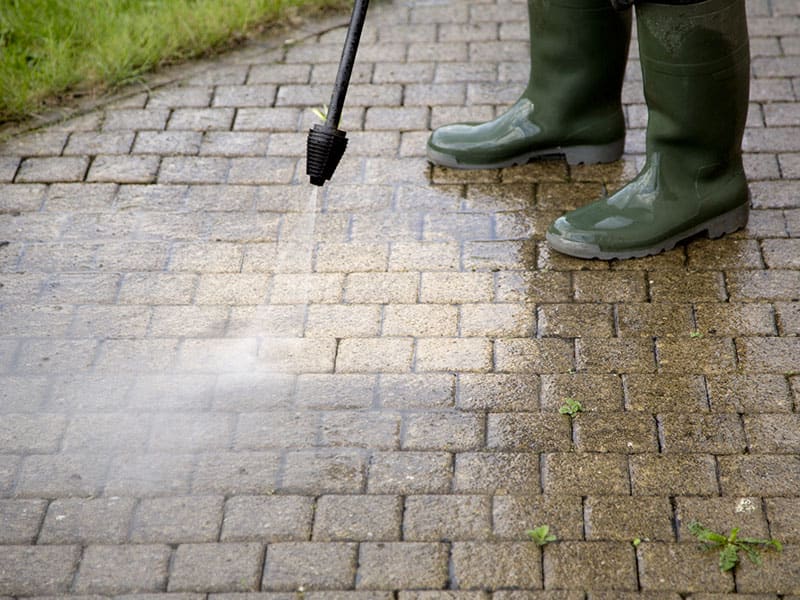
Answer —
218 379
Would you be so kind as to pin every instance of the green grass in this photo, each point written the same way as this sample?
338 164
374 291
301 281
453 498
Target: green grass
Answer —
51 50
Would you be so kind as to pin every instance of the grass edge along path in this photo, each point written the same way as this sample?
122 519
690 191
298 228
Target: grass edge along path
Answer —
52 51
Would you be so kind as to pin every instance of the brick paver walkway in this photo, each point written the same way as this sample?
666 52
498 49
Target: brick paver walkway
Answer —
214 379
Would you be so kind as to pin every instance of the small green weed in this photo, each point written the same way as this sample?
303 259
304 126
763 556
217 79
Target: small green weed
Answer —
696 334
541 535
730 545
570 407
321 112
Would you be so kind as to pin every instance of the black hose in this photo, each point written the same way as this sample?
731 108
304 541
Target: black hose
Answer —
346 62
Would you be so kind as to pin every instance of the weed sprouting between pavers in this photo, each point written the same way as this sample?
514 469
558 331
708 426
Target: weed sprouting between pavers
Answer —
729 546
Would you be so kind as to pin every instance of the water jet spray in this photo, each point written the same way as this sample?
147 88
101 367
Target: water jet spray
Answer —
326 143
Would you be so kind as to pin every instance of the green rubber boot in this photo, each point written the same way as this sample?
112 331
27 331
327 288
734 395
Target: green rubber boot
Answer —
695 60
571 105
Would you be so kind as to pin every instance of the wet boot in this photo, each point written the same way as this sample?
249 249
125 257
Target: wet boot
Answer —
695 61
571 105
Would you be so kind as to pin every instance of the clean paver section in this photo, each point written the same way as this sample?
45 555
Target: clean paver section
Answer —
217 379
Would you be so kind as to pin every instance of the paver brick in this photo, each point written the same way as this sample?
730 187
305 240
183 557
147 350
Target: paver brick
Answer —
626 433
442 431
604 566
496 565
177 520
323 471
37 570
87 521
515 473
682 567
358 518
111 569
151 474
751 393
230 473
413 390
370 355
360 429
453 354
409 472
62 169
595 392
720 514
784 519
498 392
420 320
525 355
512 516
627 355
304 566
34 434
575 320
61 475
759 474
625 518
225 567
532 432
21 521
716 433
267 519
445 518
402 565
658 474
335 391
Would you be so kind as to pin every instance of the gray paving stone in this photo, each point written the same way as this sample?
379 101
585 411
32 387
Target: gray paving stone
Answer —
127 119
21 519
37 570
685 567
35 434
230 473
107 569
267 519
61 475
216 568
444 518
515 473
357 518
606 566
123 169
87 521
33 170
512 516
397 565
177 520
409 472
300 566
149 474
496 565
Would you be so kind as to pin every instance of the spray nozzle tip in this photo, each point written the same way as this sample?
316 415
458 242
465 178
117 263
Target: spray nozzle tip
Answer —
325 147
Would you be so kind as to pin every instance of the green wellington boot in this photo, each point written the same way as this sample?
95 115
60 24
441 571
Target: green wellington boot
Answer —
571 106
695 62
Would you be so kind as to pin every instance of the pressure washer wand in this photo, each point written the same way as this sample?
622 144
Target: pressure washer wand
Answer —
326 143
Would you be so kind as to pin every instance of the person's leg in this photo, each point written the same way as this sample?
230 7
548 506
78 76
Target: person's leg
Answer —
571 105
695 64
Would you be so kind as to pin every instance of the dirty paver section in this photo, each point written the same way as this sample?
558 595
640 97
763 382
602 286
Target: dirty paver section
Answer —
218 379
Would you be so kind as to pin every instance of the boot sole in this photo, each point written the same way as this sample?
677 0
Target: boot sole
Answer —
574 155
723 224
